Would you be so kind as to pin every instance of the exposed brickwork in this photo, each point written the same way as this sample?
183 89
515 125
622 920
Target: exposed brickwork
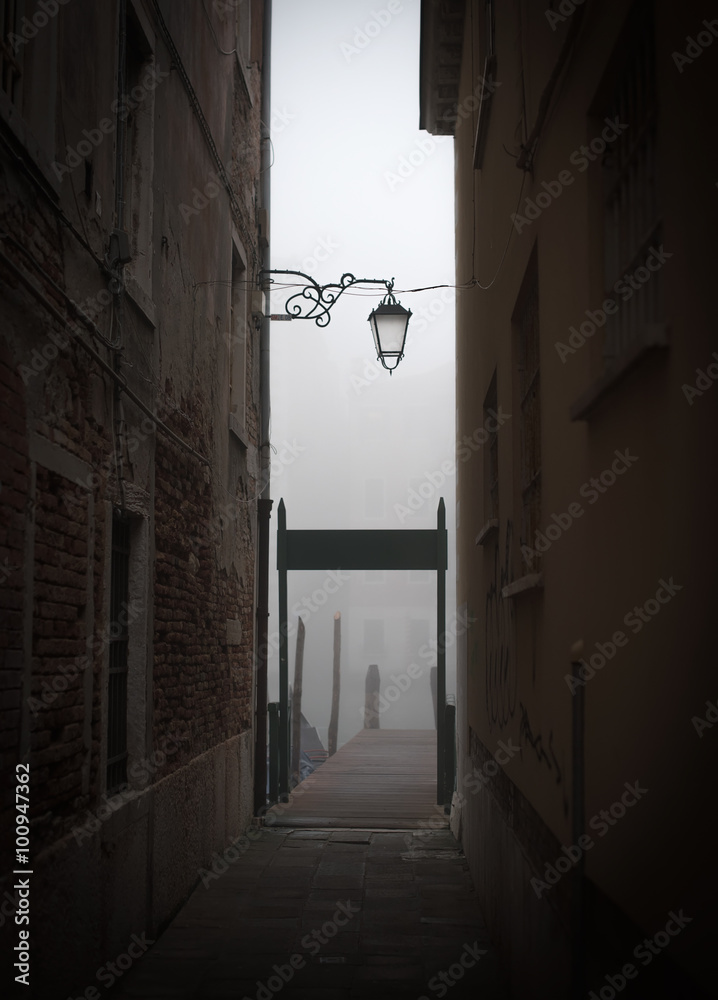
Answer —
192 559
14 480
59 660
201 683
246 126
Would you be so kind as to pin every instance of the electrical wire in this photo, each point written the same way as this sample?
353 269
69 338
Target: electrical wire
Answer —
214 36
61 103
524 122
477 283
199 114
528 150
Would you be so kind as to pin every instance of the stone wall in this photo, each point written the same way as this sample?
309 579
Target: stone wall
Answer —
74 446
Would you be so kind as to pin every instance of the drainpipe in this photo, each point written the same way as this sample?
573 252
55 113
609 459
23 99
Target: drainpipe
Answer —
121 121
578 828
264 504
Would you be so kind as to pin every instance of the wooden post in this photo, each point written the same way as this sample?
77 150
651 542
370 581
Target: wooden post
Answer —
432 684
371 700
334 720
297 701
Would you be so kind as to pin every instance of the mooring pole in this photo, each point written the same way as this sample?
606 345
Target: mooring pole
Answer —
371 697
297 700
334 720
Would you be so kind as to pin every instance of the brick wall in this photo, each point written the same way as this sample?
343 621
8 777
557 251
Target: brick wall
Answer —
14 482
59 660
200 681
193 553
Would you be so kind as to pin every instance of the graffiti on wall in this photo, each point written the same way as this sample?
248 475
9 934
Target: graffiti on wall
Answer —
543 749
501 680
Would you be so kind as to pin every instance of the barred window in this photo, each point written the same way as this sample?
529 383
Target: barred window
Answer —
491 461
118 638
632 224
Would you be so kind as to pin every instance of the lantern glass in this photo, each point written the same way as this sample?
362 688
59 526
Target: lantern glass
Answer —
389 323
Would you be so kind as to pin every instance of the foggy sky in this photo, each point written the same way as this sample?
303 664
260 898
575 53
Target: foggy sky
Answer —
357 187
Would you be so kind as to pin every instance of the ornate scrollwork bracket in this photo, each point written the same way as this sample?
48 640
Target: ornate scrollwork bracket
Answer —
315 301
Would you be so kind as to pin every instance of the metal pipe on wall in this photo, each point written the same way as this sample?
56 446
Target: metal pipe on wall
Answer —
264 505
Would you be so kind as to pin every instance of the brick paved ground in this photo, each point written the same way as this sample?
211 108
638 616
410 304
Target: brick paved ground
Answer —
408 914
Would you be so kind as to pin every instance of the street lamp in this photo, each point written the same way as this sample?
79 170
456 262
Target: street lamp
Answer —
389 321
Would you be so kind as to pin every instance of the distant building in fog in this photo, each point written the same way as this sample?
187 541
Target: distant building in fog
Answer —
586 207
380 450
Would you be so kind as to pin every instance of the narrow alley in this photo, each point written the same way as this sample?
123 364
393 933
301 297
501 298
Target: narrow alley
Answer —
357 499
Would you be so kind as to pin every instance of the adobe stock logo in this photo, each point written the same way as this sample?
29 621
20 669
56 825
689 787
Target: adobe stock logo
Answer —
565 9
580 158
704 380
29 27
426 146
645 952
695 47
601 823
379 20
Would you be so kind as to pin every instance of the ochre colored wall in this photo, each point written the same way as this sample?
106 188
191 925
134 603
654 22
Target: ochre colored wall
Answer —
655 522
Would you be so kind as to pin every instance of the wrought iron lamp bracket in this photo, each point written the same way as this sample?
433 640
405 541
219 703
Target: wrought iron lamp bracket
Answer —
315 301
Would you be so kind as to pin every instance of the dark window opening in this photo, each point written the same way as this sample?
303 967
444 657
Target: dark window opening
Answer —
118 647
492 452
632 224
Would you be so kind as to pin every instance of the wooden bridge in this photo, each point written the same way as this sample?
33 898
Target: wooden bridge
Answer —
382 779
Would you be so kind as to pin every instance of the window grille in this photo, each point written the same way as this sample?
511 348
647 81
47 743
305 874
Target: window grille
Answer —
632 224
492 452
118 646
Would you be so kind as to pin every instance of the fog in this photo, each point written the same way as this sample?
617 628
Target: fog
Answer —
356 187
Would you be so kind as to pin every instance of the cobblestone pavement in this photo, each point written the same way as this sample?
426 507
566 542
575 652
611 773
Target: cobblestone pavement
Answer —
338 914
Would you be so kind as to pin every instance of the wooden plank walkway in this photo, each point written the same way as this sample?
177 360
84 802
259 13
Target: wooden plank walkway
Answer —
382 779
